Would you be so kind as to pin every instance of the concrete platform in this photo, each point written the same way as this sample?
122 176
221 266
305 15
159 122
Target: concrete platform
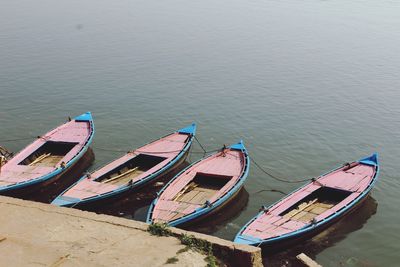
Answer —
37 234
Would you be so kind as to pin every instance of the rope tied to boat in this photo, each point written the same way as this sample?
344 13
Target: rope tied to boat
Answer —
18 139
315 180
270 190
263 209
201 146
275 177
208 204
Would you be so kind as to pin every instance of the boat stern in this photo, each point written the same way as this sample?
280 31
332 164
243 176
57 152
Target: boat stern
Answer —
84 117
191 129
238 146
64 201
247 240
371 160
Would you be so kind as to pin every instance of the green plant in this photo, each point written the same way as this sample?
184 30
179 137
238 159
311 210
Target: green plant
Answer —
172 260
200 245
182 250
194 243
159 229
211 261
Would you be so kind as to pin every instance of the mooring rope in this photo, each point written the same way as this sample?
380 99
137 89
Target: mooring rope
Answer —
18 139
197 140
277 178
270 190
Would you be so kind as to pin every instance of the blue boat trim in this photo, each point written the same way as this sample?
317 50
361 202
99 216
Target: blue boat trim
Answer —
204 210
84 117
238 146
58 170
64 200
125 188
244 239
371 160
189 129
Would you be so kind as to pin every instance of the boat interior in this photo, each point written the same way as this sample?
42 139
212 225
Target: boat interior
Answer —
49 154
130 169
202 188
315 204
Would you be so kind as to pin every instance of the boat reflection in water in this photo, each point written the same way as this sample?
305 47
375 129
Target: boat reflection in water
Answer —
328 238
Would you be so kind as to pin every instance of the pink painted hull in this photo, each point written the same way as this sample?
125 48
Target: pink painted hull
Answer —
353 182
168 147
229 163
15 174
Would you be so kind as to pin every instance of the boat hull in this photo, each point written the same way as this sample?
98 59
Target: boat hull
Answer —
193 176
295 217
278 245
93 203
64 146
32 188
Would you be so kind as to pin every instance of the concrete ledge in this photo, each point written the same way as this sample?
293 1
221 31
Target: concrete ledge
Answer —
232 254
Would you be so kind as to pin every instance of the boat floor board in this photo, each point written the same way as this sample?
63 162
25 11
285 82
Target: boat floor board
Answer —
196 193
49 161
312 211
197 196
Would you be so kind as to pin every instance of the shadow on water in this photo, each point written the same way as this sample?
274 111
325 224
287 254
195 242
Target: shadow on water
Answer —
328 238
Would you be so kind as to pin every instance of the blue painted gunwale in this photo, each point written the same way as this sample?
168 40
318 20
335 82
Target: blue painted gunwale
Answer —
61 200
84 117
205 210
249 240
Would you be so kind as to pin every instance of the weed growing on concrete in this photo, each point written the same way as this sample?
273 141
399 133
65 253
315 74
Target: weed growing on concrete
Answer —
195 243
190 241
182 250
200 245
159 229
211 261
172 260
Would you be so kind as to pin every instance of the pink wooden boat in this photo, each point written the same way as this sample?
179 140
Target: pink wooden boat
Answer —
202 188
47 158
313 207
134 169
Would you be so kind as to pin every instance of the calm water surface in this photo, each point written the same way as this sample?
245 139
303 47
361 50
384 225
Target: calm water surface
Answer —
307 84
